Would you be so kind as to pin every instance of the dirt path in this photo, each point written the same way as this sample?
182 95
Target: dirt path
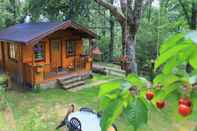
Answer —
9 118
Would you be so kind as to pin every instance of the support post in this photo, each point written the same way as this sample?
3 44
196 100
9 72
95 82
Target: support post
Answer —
91 45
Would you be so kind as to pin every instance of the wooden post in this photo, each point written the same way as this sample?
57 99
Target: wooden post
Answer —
33 64
3 55
91 44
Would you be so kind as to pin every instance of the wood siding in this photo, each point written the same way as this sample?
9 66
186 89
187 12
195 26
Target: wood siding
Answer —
1 56
13 67
53 58
26 70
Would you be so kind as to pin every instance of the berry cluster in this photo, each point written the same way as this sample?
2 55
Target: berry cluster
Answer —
184 104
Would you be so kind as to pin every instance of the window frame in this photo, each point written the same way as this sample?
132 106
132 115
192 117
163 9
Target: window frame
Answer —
12 51
43 51
73 47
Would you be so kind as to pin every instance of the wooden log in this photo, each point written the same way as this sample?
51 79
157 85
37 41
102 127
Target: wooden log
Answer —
194 86
100 70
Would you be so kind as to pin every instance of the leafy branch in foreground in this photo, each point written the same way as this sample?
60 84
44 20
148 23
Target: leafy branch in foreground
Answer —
132 95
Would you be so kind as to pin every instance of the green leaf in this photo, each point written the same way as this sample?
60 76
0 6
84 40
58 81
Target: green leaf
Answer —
170 53
3 78
164 79
193 60
109 97
111 113
135 80
109 87
136 113
169 66
194 72
161 95
171 42
104 102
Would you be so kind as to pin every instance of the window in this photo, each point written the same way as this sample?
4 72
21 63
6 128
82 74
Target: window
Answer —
71 48
39 51
12 50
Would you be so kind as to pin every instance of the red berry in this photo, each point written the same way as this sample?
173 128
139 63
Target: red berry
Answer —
150 95
185 101
160 104
184 110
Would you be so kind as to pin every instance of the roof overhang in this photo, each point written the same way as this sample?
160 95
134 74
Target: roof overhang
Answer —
86 33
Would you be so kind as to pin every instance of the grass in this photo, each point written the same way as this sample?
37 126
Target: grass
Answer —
44 110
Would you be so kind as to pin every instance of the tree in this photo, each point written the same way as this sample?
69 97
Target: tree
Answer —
190 17
187 8
10 12
58 10
133 96
129 19
111 43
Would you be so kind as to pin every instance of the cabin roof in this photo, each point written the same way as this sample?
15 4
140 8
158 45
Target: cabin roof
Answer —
28 33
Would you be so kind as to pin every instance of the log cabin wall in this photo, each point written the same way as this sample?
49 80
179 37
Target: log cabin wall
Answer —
13 66
31 75
65 36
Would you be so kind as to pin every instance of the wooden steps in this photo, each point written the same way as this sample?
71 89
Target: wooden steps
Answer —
74 85
108 70
73 81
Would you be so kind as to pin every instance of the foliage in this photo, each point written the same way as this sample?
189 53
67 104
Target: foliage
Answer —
136 113
175 53
3 84
11 12
155 27
34 123
116 98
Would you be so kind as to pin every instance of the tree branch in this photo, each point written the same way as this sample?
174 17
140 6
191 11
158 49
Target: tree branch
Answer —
123 4
185 11
119 16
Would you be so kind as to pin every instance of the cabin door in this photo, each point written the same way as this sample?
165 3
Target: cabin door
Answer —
55 54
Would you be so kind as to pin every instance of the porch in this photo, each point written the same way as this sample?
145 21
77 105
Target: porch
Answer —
41 73
58 58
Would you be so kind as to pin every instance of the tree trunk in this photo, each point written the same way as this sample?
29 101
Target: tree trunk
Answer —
192 26
71 10
129 19
129 38
123 42
193 17
111 44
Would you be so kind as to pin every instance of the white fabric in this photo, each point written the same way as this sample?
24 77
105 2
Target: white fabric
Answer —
89 121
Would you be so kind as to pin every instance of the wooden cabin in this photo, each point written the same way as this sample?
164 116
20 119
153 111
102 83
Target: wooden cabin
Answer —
36 53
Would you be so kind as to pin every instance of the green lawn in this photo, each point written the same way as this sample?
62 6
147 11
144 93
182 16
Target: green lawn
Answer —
43 111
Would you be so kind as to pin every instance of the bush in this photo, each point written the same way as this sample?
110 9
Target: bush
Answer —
3 85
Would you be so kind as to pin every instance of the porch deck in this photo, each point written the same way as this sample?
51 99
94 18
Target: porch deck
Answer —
59 79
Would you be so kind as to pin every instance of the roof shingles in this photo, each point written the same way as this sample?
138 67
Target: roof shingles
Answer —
27 32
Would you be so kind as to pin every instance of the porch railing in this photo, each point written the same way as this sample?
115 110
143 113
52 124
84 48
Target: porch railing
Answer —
80 62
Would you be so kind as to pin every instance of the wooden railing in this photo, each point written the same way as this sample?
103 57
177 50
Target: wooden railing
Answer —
80 62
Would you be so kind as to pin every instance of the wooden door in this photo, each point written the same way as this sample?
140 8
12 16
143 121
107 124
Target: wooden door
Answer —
55 54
